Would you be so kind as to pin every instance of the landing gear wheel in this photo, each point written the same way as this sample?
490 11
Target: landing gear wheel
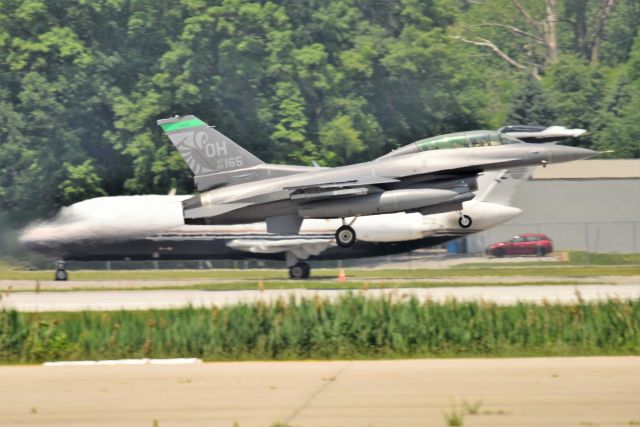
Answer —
300 271
307 270
465 221
345 236
61 275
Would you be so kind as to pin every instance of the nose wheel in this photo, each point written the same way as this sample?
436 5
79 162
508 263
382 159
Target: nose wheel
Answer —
465 221
345 236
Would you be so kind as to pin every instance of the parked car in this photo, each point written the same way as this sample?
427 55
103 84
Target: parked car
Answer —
522 244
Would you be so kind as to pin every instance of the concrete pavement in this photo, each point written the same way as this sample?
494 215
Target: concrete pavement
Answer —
593 391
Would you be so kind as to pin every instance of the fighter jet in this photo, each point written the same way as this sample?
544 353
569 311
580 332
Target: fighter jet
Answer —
429 176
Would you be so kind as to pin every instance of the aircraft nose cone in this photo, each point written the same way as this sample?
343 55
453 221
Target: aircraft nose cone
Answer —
563 153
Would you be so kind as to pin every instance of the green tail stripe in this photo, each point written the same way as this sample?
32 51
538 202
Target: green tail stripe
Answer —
168 127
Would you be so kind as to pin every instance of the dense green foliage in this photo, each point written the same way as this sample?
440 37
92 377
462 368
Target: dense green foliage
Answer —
353 327
83 82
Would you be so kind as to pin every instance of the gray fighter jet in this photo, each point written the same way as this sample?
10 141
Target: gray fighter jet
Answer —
433 175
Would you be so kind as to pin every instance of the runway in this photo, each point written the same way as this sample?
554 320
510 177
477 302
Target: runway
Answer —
594 391
161 299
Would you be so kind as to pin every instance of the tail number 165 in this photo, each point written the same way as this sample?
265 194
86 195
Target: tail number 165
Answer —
229 162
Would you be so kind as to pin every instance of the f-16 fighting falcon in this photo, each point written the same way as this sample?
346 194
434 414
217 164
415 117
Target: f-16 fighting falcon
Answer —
92 230
429 176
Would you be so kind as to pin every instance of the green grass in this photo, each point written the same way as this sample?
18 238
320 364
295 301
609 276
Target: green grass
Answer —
294 284
502 270
349 328
8 274
574 258
542 271
586 258
579 264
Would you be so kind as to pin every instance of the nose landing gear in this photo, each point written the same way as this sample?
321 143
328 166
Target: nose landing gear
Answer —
465 221
346 235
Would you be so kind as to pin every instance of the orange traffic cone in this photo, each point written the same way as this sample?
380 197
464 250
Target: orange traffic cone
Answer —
341 276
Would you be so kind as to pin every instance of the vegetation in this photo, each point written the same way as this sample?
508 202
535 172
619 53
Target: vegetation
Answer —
454 417
586 258
352 327
277 284
82 83
557 272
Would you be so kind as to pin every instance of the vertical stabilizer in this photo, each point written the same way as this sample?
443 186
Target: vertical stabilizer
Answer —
205 149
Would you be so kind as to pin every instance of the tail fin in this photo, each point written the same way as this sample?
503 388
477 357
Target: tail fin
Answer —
500 186
205 149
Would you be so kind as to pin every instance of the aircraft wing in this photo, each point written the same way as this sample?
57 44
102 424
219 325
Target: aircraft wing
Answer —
301 248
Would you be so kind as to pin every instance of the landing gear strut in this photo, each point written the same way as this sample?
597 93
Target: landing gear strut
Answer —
465 221
301 270
346 235
61 274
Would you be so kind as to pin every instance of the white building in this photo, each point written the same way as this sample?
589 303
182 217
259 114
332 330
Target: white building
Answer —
589 205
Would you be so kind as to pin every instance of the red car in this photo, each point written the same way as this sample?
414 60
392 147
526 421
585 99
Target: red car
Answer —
522 244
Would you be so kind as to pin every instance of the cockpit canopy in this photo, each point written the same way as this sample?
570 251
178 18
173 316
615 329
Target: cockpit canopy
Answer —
476 138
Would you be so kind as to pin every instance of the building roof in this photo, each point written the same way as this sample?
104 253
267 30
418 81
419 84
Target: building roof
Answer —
590 169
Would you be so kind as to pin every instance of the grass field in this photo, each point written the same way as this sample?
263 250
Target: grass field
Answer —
458 271
351 327
572 271
276 284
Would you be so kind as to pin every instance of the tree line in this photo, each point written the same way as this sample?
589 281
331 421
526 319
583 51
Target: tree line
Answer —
82 82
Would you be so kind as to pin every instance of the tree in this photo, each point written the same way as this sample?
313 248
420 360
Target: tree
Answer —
530 106
81 182
533 33
620 118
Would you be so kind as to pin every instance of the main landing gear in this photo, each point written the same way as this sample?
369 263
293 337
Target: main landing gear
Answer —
300 270
346 235
61 274
465 221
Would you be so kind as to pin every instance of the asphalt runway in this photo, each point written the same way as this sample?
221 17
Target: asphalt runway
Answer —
161 299
594 391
